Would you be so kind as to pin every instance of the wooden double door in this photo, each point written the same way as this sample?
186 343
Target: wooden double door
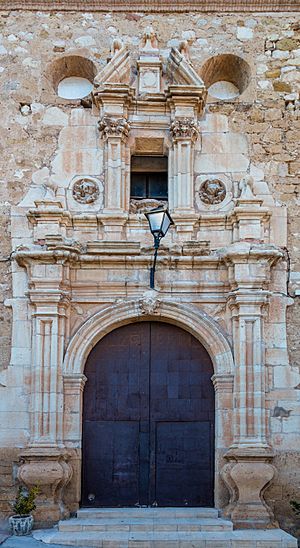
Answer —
148 419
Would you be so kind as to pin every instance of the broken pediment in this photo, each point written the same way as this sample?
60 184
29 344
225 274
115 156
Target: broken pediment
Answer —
149 73
118 69
180 69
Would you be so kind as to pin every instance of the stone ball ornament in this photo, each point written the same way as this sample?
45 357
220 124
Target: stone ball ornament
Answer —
85 191
212 191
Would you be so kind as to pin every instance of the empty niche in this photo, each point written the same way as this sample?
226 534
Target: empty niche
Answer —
226 76
73 76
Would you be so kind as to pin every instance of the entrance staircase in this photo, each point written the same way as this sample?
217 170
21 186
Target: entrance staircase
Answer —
158 528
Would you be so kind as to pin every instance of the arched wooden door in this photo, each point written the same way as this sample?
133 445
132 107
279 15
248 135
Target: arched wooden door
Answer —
148 419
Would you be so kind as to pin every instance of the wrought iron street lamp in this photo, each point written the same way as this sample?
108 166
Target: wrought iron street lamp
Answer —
159 222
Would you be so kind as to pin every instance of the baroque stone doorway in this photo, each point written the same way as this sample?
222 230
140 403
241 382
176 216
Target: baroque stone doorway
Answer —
148 419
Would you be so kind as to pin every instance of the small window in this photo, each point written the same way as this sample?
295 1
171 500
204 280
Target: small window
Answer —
149 177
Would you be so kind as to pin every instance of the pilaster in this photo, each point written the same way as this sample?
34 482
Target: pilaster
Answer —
45 461
249 470
184 133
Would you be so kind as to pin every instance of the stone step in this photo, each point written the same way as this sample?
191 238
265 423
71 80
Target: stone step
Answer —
127 513
249 538
146 524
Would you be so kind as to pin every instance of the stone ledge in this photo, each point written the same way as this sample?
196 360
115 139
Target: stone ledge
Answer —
153 5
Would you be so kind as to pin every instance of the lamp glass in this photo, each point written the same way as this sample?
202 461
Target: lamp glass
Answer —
165 224
155 219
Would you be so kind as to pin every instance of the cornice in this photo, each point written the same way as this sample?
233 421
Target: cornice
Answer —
227 6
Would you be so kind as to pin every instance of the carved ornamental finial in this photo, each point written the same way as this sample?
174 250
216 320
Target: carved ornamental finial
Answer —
117 44
114 127
184 49
246 188
185 128
150 43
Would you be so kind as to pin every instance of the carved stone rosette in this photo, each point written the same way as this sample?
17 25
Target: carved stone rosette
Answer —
114 127
212 191
184 128
85 191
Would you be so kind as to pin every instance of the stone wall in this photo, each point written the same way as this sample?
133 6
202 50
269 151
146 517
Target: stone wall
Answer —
34 132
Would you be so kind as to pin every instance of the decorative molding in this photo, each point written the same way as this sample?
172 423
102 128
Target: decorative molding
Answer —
142 206
153 5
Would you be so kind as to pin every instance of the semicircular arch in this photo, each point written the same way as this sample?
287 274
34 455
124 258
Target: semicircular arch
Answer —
186 316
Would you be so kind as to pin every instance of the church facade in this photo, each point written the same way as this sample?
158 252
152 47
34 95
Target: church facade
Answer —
112 393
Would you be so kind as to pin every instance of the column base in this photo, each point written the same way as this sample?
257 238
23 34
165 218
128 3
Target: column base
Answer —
247 475
48 468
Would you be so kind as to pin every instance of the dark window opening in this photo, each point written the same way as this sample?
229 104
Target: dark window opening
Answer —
149 177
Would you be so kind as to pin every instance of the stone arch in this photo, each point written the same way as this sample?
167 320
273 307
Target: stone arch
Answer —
186 316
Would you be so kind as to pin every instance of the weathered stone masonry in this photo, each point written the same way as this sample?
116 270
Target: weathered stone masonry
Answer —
229 271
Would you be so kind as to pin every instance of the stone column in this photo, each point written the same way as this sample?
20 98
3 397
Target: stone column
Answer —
49 317
115 132
73 398
223 385
249 470
249 388
45 461
184 133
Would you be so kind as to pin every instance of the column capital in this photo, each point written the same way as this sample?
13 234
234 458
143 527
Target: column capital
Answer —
184 129
248 302
74 381
223 383
249 266
114 127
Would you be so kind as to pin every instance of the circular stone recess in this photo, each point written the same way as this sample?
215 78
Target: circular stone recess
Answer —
226 76
74 87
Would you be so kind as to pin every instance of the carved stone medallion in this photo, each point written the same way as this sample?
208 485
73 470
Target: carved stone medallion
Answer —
212 191
85 191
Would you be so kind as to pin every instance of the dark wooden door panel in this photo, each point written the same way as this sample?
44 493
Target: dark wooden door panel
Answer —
183 464
148 419
111 464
